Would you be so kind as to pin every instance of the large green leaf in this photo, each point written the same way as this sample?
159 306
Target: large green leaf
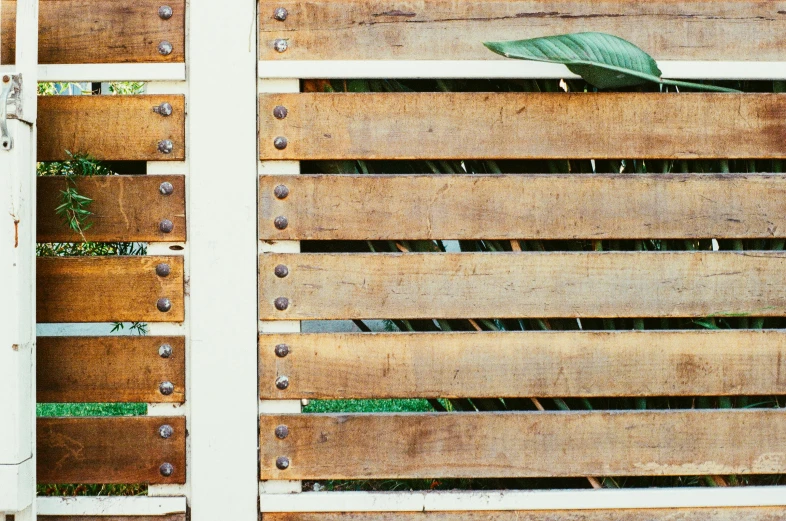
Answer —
604 60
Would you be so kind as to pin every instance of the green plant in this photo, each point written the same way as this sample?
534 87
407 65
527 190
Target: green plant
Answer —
604 60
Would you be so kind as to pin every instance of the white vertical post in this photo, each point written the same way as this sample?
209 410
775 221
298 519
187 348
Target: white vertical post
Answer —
17 273
222 217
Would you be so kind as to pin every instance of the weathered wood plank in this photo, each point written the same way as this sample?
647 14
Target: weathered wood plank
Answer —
107 289
449 30
125 208
523 125
525 444
109 369
518 285
85 31
166 517
394 207
110 127
489 364
677 514
126 449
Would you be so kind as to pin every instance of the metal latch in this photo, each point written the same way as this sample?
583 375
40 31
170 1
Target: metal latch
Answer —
10 87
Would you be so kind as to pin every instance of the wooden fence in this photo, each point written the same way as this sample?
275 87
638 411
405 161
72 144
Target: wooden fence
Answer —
224 285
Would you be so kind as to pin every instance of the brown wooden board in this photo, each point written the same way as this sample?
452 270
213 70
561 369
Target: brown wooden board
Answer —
449 30
525 444
108 289
479 125
86 31
524 364
654 514
518 285
109 369
127 449
110 127
165 517
391 207
124 208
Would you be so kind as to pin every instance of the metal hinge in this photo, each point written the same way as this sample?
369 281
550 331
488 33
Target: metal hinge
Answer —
10 88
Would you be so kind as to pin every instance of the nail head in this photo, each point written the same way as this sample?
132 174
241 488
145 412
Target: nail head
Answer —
166 226
281 191
282 350
165 48
281 303
281 271
280 143
165 351
163 270
166 188
165 109
280 14
165 12
281 222
164 305
165 146
280 45
280 112
166 431
282 463
282 382
166 469
282 431
166 388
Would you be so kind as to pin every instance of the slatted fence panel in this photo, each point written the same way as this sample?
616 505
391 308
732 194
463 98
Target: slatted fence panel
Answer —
111 450
474 125
124 208
111 127
445 30
524 444
556 206
110 369
107 289
84 31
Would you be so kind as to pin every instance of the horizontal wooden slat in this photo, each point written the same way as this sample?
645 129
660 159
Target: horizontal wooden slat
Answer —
125 208
107 289
110 127
125 449
523 125
449 30
528 444
391 207
85 31
109 369
523 364
167 517
627 514
518 285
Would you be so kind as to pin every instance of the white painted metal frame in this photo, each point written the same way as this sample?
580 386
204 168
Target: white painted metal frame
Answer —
17 273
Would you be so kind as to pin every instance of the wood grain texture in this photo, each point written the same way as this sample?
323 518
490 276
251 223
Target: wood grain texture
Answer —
86 31
523 125
394 207
524 364
166 517
676 514
107 289
109 369
125 449
125 208
519 285
525 444
110 127
449 30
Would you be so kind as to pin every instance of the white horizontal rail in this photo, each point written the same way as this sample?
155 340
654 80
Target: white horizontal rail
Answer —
110 506
518 69
95 72
688 497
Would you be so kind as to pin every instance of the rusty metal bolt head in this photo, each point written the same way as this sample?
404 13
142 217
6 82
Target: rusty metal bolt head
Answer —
280 112
282 350
281 192
280 143
282 382
6 78
163 270
165 12
164 304
166 188
165 351
281 222
165 48
280 14
281 271
166 226
282 463
166 431
166 469
280 45
282 431
165 109
281 303
165 146
166 388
